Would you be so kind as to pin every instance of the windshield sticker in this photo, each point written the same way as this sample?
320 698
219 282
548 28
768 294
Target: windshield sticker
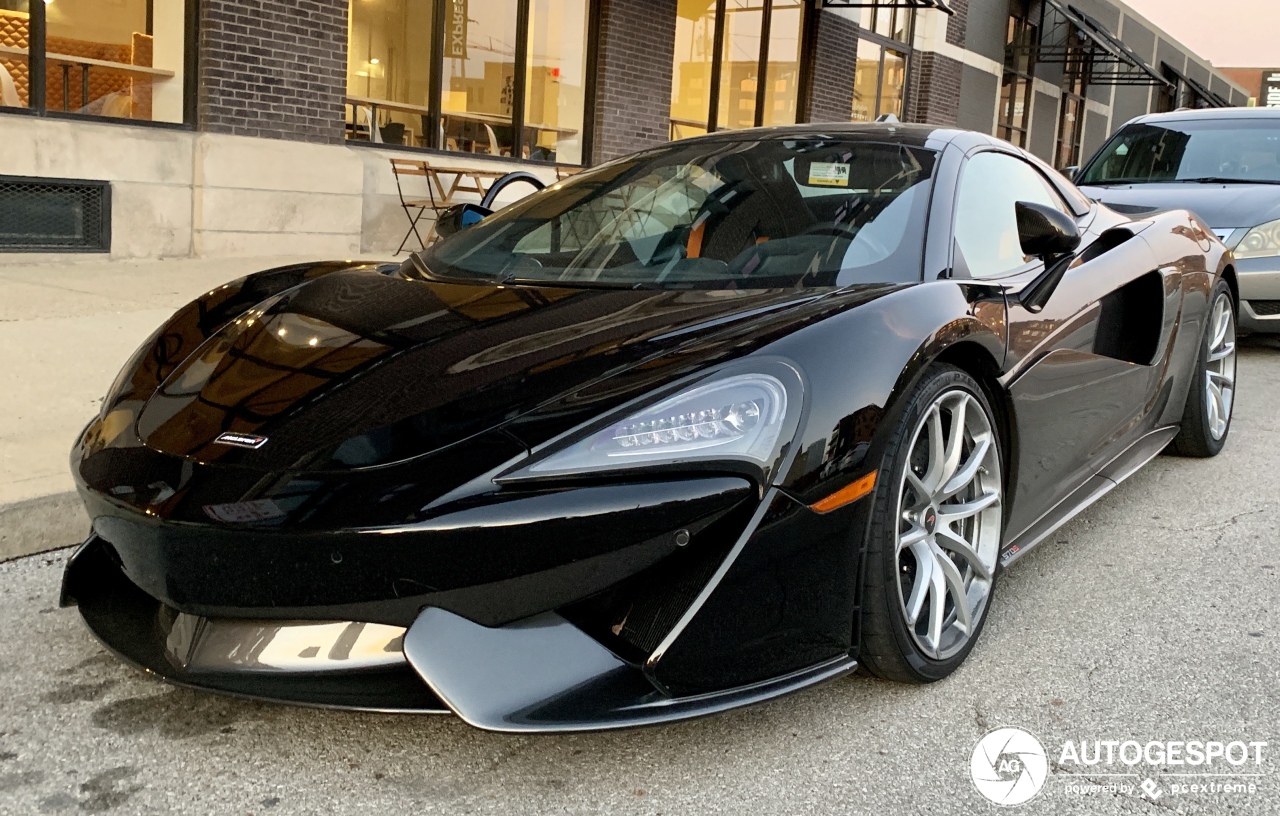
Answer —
829 174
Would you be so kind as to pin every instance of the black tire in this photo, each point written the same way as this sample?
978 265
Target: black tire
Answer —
888 650
1195 438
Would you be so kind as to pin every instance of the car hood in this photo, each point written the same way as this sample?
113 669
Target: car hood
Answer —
360 368
1222 206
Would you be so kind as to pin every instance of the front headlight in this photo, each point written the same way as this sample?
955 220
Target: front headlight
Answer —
1260 242
738 417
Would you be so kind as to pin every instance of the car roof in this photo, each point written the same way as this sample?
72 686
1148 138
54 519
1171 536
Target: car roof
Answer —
1197 114
912 135
929 137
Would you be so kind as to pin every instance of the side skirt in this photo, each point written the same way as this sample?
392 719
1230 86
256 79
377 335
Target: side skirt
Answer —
1129 462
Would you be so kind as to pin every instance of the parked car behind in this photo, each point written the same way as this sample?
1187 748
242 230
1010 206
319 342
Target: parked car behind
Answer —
1224 165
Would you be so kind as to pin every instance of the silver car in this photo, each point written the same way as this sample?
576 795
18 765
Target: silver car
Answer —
1224 165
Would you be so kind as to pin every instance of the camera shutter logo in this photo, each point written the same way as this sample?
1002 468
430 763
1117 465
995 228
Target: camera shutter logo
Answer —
1008 766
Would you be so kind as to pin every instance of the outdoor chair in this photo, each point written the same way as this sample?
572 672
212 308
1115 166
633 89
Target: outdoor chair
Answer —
415 208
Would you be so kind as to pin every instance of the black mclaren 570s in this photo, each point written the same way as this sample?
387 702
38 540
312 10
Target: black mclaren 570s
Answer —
692 429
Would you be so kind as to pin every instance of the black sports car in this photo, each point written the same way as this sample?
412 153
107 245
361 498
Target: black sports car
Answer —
695 428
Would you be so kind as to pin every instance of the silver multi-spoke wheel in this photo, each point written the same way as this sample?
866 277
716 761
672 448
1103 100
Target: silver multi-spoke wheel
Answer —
949 518
1220 367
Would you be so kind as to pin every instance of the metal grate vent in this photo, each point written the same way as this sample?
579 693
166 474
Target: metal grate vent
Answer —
54 215
1265 308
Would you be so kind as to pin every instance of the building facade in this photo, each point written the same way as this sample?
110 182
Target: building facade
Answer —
1262 84
234 127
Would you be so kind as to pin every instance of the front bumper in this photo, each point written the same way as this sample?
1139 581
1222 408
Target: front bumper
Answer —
1259 280
140 631
493 563
766 615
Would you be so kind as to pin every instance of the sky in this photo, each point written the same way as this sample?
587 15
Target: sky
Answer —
1228 33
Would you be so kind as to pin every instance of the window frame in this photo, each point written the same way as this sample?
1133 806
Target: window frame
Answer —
519 90
1021 28
1075 91
887 43
37 71
762 67
1170 97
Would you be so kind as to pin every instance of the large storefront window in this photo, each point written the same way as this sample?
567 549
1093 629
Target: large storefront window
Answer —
387 67
1016 84
15 72
479 79
1071 114
691 71
740 63
782 91
123 60
737 64
557 79
884 54
498 77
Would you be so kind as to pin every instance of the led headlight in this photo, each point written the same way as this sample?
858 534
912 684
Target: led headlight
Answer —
736 417
1260 242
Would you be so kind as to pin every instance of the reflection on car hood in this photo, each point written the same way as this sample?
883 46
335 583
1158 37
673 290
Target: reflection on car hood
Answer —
359 368
1222 206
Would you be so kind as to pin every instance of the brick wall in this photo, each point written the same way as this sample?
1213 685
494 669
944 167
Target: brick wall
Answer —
835 56
273 68
958 23
934 95
633 76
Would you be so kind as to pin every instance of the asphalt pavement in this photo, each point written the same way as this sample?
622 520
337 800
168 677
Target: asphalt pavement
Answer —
1152 616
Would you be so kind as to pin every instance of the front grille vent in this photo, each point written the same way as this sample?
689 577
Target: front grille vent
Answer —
1131 209
54 215
1265 308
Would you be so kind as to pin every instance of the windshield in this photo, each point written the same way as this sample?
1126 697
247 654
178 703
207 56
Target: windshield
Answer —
712 214
1218 150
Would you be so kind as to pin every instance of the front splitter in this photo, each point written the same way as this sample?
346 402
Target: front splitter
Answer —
130 623
541 674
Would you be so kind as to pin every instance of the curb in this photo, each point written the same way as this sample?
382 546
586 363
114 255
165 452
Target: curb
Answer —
43 524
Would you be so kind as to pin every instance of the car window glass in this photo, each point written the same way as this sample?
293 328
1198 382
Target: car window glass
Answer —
717 214
1231 149
986 227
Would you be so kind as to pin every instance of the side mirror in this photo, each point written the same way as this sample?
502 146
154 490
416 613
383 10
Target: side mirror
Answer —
1045 232
1051 235
459 217
1071 172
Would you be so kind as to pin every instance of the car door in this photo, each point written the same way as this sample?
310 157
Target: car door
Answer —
1076 370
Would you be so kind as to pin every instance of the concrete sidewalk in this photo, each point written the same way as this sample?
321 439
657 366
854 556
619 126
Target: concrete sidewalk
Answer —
65 331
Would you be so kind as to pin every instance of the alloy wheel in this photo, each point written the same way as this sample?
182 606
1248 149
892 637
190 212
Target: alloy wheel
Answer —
1220 367
949 512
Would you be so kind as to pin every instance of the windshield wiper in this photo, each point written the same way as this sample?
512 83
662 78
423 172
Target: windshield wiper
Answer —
1112 182
1199 180
1223 180
459 274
